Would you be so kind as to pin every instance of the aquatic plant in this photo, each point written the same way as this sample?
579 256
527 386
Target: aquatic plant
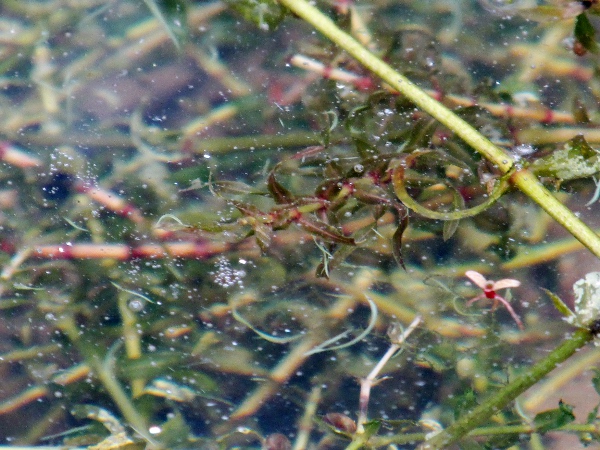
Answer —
211 218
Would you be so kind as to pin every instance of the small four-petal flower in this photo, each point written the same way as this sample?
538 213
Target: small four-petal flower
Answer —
490 287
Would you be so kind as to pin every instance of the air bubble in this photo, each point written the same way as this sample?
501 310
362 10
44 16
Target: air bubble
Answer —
136 305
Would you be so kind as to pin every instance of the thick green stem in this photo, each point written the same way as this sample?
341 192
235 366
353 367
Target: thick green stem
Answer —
105 373
524 180
495 430
121 399
502 398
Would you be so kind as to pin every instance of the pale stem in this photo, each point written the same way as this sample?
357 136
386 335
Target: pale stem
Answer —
371 379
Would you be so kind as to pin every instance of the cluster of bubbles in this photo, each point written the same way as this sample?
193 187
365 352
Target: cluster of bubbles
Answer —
226 276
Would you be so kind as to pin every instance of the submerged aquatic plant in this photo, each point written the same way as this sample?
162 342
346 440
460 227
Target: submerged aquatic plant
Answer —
163 208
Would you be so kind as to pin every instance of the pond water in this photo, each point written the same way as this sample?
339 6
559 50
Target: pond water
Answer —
215 223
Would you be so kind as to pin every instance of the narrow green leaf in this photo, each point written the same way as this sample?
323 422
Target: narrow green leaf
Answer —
266 14
397 241
263 235
246 208
236 188
341 253
554 418
559 304
106 418
280 194
267 337
585 33
364 148
400 189
370 194
324 230
175 431
371 428
451 226
580 112
502 441
596 380
326 346
330 427
171 15
587 439
464 403
593 414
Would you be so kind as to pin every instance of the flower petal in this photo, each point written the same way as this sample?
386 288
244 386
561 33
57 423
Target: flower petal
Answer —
506 283
476 278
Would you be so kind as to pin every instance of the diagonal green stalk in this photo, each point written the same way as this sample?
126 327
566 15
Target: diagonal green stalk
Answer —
523 179
104 370
494 404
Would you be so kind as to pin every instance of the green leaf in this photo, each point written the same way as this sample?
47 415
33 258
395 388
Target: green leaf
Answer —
326 424
596 380
418 135
266 14
587 439
371 428
580 112
503 441
371 194
593 415
559 304
399 185
341 253
464 403
450 226
280 194
171 14
105 417
327 232
266 336
263 234
364 148
235 187
585 33
247 209
331 119
397 241
471 444
554 418
174 431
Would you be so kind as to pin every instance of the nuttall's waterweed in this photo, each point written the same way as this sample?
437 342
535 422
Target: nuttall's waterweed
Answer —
314 170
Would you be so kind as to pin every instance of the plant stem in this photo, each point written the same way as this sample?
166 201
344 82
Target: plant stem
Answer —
523 179
120 397
104 370
398 337
500 430
500 399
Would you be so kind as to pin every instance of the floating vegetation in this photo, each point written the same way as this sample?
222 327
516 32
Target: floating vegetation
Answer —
247 224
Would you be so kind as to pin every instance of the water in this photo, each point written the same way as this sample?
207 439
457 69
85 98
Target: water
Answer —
193 205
